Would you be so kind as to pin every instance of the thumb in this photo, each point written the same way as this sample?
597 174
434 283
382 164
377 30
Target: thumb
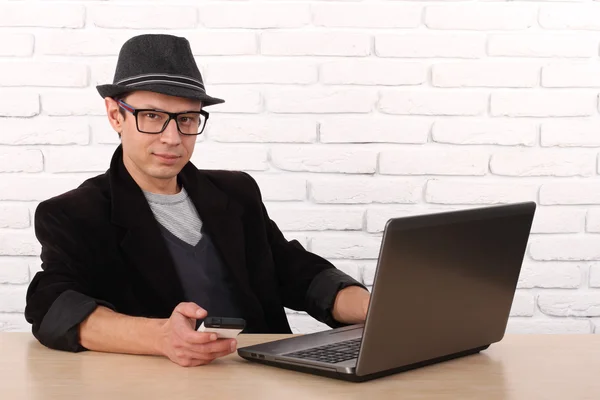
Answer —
191 310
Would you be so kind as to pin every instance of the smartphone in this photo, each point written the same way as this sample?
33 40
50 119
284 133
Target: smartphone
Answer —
225 328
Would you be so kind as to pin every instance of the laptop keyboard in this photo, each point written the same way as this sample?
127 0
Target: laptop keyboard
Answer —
331 353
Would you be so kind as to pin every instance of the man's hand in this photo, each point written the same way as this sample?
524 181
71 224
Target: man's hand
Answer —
182 344
351 305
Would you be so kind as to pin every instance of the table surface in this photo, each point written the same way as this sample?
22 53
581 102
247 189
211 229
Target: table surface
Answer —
518 367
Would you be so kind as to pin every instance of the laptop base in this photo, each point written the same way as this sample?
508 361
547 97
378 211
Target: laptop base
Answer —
355 378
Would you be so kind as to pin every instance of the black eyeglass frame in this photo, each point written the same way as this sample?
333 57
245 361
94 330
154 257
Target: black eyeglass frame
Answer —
136 111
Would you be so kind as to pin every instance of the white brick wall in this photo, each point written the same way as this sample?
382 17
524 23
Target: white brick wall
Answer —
347 113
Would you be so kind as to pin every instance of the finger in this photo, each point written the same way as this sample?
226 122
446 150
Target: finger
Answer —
218 346
221 354
190 337
190 310
195 353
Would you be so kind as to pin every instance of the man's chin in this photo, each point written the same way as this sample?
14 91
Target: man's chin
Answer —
165 172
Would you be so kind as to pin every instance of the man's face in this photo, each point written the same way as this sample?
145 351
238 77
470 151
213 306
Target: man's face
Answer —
158 156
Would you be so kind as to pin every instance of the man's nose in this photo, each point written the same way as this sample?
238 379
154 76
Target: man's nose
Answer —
171 135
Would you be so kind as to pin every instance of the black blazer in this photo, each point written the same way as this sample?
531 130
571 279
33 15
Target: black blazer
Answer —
102 245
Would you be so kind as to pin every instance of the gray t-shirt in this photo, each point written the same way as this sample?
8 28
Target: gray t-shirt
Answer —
177 213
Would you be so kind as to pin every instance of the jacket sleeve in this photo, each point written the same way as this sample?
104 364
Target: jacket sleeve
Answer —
59 297
307 282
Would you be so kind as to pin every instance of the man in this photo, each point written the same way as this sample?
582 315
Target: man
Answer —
134 259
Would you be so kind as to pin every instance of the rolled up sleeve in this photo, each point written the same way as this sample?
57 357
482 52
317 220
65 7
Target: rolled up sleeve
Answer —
60 296
322 292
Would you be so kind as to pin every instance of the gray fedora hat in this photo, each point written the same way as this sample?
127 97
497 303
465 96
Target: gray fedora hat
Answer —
158 63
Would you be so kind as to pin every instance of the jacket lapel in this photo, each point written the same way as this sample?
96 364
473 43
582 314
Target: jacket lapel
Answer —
142 243
222 220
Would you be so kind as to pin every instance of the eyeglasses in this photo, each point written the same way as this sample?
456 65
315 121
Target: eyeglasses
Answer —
154 121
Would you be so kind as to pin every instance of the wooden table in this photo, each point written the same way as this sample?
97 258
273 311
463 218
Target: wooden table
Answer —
523 367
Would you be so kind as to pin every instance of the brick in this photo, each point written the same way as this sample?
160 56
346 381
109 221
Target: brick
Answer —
45 74
16 103
532 162
303 218
16 44
356 190
374 129
320 101
281 187
379 15
18 242
80 43
237 99
595 276
558 193
136 17
102 72
546 44
523 326
102 131
433 161
485 74
430 45
369 270
565 248
570 16
491 192
299 237
18 187
77 103
571 75
373 72
558 220
34 267
550 275
14 216
348 160
214 43
314 43
481 16
523 305
346 246
572 133
13 298
247 158
468 131
257 71
254 15
20 160
44 130
14 270
42 15
78 159
593 221
519 103
432 102
302 324
262 129
570 304
14 322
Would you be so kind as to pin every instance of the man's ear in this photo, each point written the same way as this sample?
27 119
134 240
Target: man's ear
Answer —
114 115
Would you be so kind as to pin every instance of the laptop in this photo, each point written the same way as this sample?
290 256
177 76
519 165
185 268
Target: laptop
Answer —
443 288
